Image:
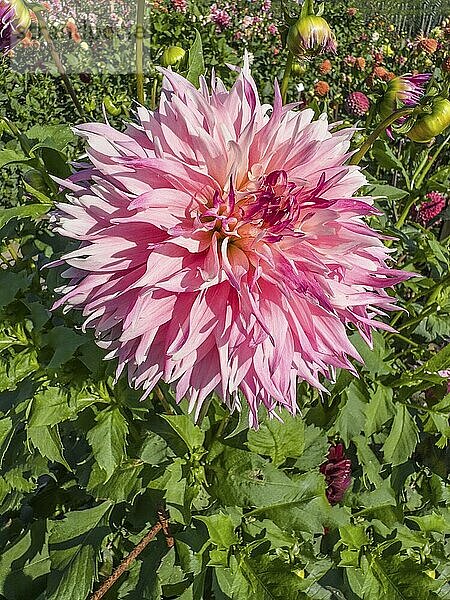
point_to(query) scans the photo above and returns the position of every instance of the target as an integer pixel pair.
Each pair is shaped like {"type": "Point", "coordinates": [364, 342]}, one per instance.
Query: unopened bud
{"type": "Point", "coordinates": [429, 125]}
{"type": "Point", "coordinates": [172, 56]}
{"type": "Point", "coordinates": [309, 36]}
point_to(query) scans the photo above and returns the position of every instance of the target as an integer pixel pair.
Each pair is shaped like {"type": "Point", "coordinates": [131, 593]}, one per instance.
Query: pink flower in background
{"type": "Point", "coordinates": [221, 248]}
{"type": "Point", "coordinates": [180, 5]}
{"type": "Point", "coordinates": [219, 16]}
{"type": "Point", "coordinates": [337, 470]}
{"type": "Point", "coordinates": [272, 29]}
{"type": "Point", "coordinates": [431, 208]}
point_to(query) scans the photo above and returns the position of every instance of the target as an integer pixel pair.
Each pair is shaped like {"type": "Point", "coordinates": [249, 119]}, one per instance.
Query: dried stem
{"type": "Point", "coordinates": [163, 524]}
{"type": "Point", "coordinates": [58, 63]}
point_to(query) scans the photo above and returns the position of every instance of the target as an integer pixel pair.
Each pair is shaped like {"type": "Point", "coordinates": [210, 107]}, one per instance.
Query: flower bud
{"type": "Point", "coordinates": [172, 56]}
{"type": "Point", "coordinates": [404, 91]}
{"type": "Point", "coordinates": [429, 125]}
{"type": "Point", "coordinates": [309, 36]}
{"type": "Point", "coordinates": [14, 18]}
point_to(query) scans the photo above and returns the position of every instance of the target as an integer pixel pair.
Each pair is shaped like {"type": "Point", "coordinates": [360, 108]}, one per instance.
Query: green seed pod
{"type": "Point", "coordinates": [309, 36]}
{"type": "Point", "coordinates": [298, 69]}
{"type": "Point", "coordinates": [429, 125]}
{"type": "Point", "coordinates": [111, 107]}
{"type": "Point", "coordinates": [172, 56]}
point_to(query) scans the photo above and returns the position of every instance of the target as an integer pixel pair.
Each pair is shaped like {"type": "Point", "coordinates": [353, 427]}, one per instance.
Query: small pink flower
{"type": "Point", "coordinates": [179, 5]}
{"type": "Point", "coordinates": [222, 248]}
{"type": "Point", "coordinates": [220, 17]}
{"type": "Point", "coordinates": [272, 29]}
{"type": "Point", "coordinates": [431, 208]}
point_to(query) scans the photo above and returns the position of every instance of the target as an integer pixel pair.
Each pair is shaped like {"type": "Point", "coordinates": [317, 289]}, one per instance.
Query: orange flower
{"type": "Point", "coordinates": [380, 72]}
{"type": "Point", "coordinates": [321, 88]}
{"type": "Point", "coordinates": [325, 67]}
{"type": "Point", "coordinates": [360, 63]}
{"type": "Point", "coordinates": [428, 45]}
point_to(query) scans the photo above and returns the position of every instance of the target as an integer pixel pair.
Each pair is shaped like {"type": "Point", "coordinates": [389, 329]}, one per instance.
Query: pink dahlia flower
{"type": "Point", "coordinates": [221, 248]}
{"type": "Point", "coordinates": [14, 19]}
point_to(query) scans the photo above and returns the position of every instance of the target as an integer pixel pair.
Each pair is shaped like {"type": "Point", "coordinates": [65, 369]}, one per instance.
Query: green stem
{"type": "Point", "coordinates": [286, 76]}
{"type": "Point", "coordinates": [431, 162]}
{"type": "Point", "coordinates": [140, 51]}
{"type": "Point", "coordinates": [405, 212]}
{"type": "Point", "coordinates": [381, 128]}
{"type": "Point", "coordinates": [58, 63]}
{"type": "Point", "coordinates": [154, 90]}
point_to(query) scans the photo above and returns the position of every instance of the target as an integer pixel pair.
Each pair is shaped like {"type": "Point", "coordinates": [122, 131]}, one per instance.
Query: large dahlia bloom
{"type": "Point", "coordinates": [221, 248]}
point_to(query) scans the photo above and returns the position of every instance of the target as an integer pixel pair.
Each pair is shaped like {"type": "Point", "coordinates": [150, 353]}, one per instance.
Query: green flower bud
{"type": "Point", "coordinates": [111, 107]}
{"type": "Point", "coordinates": [309, 36]}
{"type": "Point", "coordinates": [298, 69]}
{"type": "Point", "coordinates": [172, 56]}
{"type": "Point", "coordinates": [429, 125]}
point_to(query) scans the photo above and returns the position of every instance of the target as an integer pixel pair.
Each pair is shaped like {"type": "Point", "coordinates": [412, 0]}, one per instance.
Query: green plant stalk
{"type": "Point", "coordinates": [58, 63]}
{"type": "Point", "coordinates": [379, 130]}
{"type": "Point", "coordinates": [430, 163]}
{"type": "Point", "coordinates": [140, 51]}
{"type": "Point", "coordinates": [286, 76]}
{"type": "Point", "coordinates": [405, 211]}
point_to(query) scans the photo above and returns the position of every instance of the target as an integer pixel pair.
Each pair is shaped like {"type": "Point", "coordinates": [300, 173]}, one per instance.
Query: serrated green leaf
{"type": "Point", "coordinates": [73, 545]}
{"type": "Point", "coordinates": [27, 211]}
{"type": "Point", "coordinates": [48, 442]}
{"type": "Point", "coordinates": [396, 579]}
{"type": "Point", "coordinates": [379, 410]}
{"type": "Point", "coordinates": [107, 439]}
{"type": "Point", "coordinates": [49, 407]}
{"type": "Point", "coordinates": [221, 529]}
{"type": "Point", "coordinates": [183, 425]}
{"type": "Point", "coordinates": [402, 438]}
{"type": "Point", "coordinates": [64, 342]}
{"type": "Point", "coordinates": [279, 440]}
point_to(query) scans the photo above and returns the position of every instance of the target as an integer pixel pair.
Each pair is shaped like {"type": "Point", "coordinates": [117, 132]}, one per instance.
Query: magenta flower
{"type": "Point", "coordinates": [405, 91]}
{"type": "Point", "coordinates": [431, 208]}
{"type": "Point", "coordinates": [337, 470]}
{"type": "Point", "coordinates": [14, 18]}
{"type": "Point", "coordinates": [222, 249]}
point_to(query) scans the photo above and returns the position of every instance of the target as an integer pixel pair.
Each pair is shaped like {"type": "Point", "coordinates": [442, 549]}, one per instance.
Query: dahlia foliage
{"type": "Point", "coordinates": [222, 249]}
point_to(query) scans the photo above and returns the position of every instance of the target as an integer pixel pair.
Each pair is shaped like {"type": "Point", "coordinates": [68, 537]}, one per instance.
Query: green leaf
{"type": "Point", "coordinates": [196, 61]}
{"type": "Point", "coordinates": [379, 410]}
{"type": "Point", "coordinates": [10, 284]}
{"type": "Point", "coordinates": [351, 418]}
{"type": "Point", "coordinates": [387, 191]}
{"type": "Point", "coordinates": [183, 425]}
{"type": "Point", "coordinates": [9, 156]}
{"type": "Point", "coordinates": [403, 437]}
{"type": "Point", "coordinates": [27, 211]}
{"type": "Point", "coordinates": [438, 362]}
{"type": "Point", "coordinates": [73, 546]}
{"type": "Point", "coordinates": [244, 479]}
{"type": "Point", "coordinates": [266, 577]}
{"type": "Point", "coordinates": [315, 449]}
{"type": "Point", "coordinates": [48, 442]}
{"type": "Point", "coordinates": [49, 407]}
{"type": "Point", "coordinates": [64, 341]}
{"type": "Point", "coordinates": [221, 529]}
{"type": "Point", "coordinates": [432, 522]}
{"type": "Point", "coordinates": [51, 136]}
{"type": "Point", "coordinates": [279, 440]}
{"type": "Point", "coordinates": [107, 439]}
{"type": "Point", "coordinates": [396, 579]}
{"type": "Point", "coordinates": [24, 564]}
{"type": "Point", "coordinates": [354, 536]}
